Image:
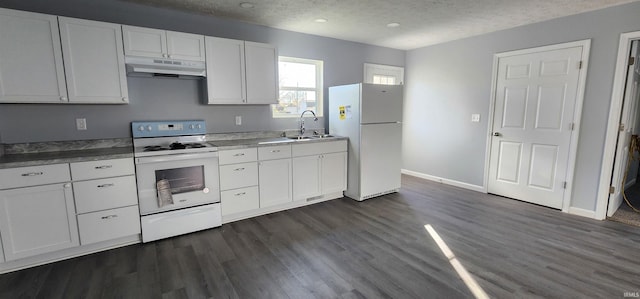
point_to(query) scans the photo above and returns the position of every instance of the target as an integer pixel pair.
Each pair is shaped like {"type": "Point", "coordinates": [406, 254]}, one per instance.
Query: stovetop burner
{"type": "Point", "coordinates": [173, 146]}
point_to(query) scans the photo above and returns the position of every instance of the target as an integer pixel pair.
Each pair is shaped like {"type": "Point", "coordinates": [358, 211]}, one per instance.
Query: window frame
{"type": "Point", "coordinates": [319, 103]}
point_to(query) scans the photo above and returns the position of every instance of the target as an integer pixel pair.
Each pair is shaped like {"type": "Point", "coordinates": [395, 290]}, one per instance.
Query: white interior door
{"type": "Point", "coordinates": [627, 123]}
{"type": "Point", "coordinates": [534, 106]}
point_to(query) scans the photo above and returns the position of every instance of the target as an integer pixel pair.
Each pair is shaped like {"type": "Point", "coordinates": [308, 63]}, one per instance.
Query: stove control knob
{"type": "Point", "coordinates": [141, 128]}
{"type": "Point", "coordinates": [149, 128]}
{"type": "Point", "coordinates": [192, 127]}
{"type": "Point", "coordinates": [199, 126]}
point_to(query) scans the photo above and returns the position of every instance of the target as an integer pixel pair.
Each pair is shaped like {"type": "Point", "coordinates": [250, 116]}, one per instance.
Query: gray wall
{"type": "Point", "coordinates": [447, 83]}
{"type": "Point", "coordinates": [159, 99]}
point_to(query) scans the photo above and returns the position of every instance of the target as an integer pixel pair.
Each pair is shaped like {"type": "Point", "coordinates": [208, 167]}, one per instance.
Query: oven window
{"type": "Point", "coordinates": [181, 180]}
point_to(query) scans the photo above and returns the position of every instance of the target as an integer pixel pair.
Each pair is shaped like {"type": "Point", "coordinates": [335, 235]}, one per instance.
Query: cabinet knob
{"type": "Point", "coordinates": [64, 99]}
{"type": "Point", "coordinates": [169, 55]}
{"type": "Point", "coordinates": [67, 185]}
{"type": "Point", "coordinates": [124, 99]}
{"type": "Point", "coordinates": [164, 55]}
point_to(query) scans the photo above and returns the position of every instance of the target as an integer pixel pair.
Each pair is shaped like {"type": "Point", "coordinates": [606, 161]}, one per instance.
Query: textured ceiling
{"type": "Point", "coordinates": [422, 22]}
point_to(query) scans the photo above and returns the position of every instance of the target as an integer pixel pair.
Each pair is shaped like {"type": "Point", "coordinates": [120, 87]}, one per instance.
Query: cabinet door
{"type": "Point", "coordinates": [93, 61]}
{"type": "Point", "coordinates": [334, 172]}
{"type": "Point", "coordinates": [31, 69]}
{"type": "Point", "coordinates": [225, 71]}
{"type": "Point", "coordinates": [306, 177]}
{"type": "Point", "coordinates": [262, 73]}
{"type": "Point", "coordinates": [275, 182]}
{"type": "Point", "coordinates": [187, 46]}
{"type": "Point", "coordinates": [37, 220]}
{"type": "Point", "coordinates": [145, 42]}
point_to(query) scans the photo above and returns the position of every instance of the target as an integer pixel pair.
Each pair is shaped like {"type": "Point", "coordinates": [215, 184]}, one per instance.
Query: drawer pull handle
{"type": "Point", "coordinates": [105, 185]}
{"type": "Point", "coordinates": [109, 216]}
{"type": "Point", "coordinates": [275, 151]}
{"type": "Point", "coordinates": [32, 173]}
{"type": "Point", "coordinates": [182, 200]}
{"type": "Point", "coordinates": [240, 194]}
{"type": "Point", "coordinates": [239, 155]}
{"type": "Point", "coordinates": [239, 169]}
{"type": "Point", "coordinates": [103, 167]}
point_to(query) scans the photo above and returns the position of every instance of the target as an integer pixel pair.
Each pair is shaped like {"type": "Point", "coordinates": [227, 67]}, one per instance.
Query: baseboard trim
{"type": "Point", "coordinates": [444, 181]}
{"type": "Point", "coordinates": [582, 212]}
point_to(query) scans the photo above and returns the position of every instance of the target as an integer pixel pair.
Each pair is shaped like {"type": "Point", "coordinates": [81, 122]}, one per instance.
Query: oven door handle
{"type": "Point", "coordinates": [170, 158]}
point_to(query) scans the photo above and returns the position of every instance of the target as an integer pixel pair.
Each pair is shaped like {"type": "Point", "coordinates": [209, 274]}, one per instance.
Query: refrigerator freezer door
{"type": "Point", "coordinates": [380, 159]}
{"type": "Point", "coordinates": [381, 104]}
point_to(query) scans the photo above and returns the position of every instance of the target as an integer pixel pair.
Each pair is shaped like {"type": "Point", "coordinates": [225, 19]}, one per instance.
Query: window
{"type": "Point", "coordinates": [300, 87]}
{"type": "Point", "coordinates": [383, 74]}
{"type": "Point", "coordinates": [382, 79]}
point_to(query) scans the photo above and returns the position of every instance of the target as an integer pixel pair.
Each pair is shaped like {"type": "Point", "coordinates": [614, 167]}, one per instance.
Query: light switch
{"type": "Point", "coordinates": [81, 124]}
{"type": "Point", "coordinates": [475, 118]}
{"type": "Point", "coordinates": [238, 120]}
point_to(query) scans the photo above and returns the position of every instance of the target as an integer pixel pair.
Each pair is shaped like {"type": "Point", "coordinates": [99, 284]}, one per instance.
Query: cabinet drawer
{"type": "Point", "coordinates": [103, 194]}
{"type": "Point", "coordinates": [238, 175]}
{"type": "Point", "coordinates": [274, 152]}
{"type": "Point", "coordinates": [239, 200]}
{"type": "Point", "coordinates": [110, 224]}
{"type": "Point", "coordinates": [101, 169]}
{"type": "Point", "coordinates": [238, 156]}
{"type": "Point", "coordinates": [34, 175]}
{"type": "Point", "coordinates": [316, 148]}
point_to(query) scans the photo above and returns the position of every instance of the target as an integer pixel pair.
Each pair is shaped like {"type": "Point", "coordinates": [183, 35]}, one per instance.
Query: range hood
{"type": "Point", "coordinates": [165, 66]}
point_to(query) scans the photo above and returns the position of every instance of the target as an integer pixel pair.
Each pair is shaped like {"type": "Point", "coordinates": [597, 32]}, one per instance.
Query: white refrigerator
{"type": "Point", "coordinates": [371, 116]}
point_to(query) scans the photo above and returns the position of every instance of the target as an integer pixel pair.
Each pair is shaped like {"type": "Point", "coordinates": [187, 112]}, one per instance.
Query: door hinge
{"type": "Point", "coordinates": [632, 60]}
{"type": "Point", "coordinates": [621, 127]}
{"type": "Point", "coordinates": [564, 185]}
{"type": "Point", "coordinates": [612, 189]}
{"type": "Point", "coordinates": [572, 127]}
{"type": "Point", "coordinates": [580, 64]}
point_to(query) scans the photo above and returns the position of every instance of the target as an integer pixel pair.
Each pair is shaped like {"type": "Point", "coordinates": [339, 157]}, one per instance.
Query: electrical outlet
{"type": "Point", "coordinates": [475, 118]}
{"type": "Point", "coordinates": [81, 124]}
{"type": "Point", "coordinates": [238, 120]}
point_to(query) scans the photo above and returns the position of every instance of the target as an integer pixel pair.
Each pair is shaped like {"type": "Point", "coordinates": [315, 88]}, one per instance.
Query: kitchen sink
{"type": "Point", "coordinates": [299, 137]}
{"type": "Point", "coordinates": [323, 136]}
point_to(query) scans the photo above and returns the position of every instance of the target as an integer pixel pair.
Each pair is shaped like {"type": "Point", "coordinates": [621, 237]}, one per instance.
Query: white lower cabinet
{"type": "Point", "coordinates": [106, 199]}
{"type": "Point", "coordinates": [334, 172]}
{"type": "Point", "coordinates": [238, 181]}
{"type": "Point", "coordinates": [319, 169]}
{"type": "Point", "coordinates": [306, 177]}
{"type": "Point", "coordinates": [275, 182]}
{"type": "Point", "coordinates": [239, 200]}
{"type": "Point", "coordinates": [110, 224]}
{"type": "Point", "coordinates": [37, 220]}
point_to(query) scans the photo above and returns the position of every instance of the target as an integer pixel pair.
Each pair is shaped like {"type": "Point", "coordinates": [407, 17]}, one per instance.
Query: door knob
{"type": "Point", "coordinates": [497, 134]}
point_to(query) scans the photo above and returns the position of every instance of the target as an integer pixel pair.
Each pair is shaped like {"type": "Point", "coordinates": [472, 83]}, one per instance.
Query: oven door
{"type": "Point", "coordinates": [171, 182]}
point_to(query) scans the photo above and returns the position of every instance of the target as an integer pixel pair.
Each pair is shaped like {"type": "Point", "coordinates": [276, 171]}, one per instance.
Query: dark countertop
{"type": "Point", "coordinates": [44, 158]}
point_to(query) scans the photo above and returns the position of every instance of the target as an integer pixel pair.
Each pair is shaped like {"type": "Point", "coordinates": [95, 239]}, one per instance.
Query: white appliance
{"type": "Point", "coordinates": [371, 116]}
{"type": "Point", "coordinates": [177, 178]}
{"type": "Point", "coordinates": [165, 66]}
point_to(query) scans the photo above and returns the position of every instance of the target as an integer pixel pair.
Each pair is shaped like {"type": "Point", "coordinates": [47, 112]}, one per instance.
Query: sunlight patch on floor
{"type": "Point", "coordinates": [471, 283]}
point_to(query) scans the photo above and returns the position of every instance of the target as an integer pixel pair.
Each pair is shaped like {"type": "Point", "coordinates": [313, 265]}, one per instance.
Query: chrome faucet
{"type": "Point", "coordinates": [302, 129]}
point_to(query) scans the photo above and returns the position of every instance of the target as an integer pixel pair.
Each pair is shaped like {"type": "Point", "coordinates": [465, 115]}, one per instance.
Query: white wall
{"type": "Point", "coordinates": [447, 83]}
{"type": "Point", "coordinates": [163, 99]}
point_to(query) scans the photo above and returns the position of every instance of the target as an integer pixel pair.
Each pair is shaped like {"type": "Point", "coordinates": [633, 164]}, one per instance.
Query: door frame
{"type": "Point", "coordinates": [577, 113]}
{"type": "Point", "coordinates": [615, 109]}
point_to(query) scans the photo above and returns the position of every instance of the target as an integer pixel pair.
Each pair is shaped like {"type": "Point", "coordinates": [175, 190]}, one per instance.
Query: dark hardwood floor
{"type": "Point", "coordinates": [378, 248]}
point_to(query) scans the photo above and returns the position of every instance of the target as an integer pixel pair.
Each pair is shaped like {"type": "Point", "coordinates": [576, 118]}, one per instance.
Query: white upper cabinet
{"type": "Point", "coordinates": [31, 69]}
{"type": "Point", "coordinates": [262, 73]}
{"type": "Point", "coordinates": [225, 71]}
{"type": "Point", "coordinates": [156, 43]}
{"type": "Point", "coordinates": [186, 46]}
{"type": "Point", "coordinates": [93, 61]}
{"type": "Point", "coordinates": [240, 72]}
